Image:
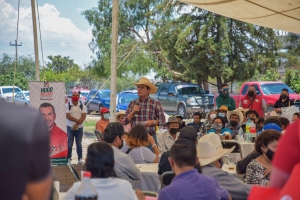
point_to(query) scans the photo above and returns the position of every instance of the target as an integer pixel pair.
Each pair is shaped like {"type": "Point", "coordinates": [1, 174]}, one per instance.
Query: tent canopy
{"type": "Point", "coordinates": [276, 14]}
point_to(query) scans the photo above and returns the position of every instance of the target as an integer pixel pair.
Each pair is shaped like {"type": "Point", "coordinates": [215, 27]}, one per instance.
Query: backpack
{"type": "Point", "coordinates": [70, 106]}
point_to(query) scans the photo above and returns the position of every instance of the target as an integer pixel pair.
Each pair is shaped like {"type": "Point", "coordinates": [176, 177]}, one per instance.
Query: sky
{"type": "Point", "coordinates": [64, 30]}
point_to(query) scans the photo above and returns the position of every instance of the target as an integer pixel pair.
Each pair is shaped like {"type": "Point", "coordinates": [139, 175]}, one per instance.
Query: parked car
{"type": "Point", "coordinates": [6, 92]}
{"type": "Point", "coordinates": [97, 99]}
{"type": "Point", "coordinates": [22, 98]}
{"type": "Point", "coordinates": [83, 95]}
{"type": "Point", "coordinates": [268, 90]}
{"type": "Point", "coordinates": [124, 98]}
{"type": "Point", "coordinates": [183, 98]}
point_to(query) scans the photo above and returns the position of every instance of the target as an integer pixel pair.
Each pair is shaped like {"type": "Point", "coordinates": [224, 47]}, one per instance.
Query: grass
{"type": "Point", "coordinates": [89, 125]}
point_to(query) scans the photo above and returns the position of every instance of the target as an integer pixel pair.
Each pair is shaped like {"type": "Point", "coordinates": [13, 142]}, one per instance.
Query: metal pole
{"type": "Point", "coordinates": [15, 68]}
{"type": "Point", "coordinates": [35, 38]}
{"type": "Point", "coordinates": [114, 61]}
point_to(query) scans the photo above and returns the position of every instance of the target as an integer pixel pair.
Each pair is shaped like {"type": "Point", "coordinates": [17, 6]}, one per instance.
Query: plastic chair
{"type": "Point", "coordinates": [166, 178]}
{"type": "Point", "coordinates": [150, 193]}
{"type": "Point", "coordinates": [99, 135]}
{"type": "Point", "coordinates": [229, 144]}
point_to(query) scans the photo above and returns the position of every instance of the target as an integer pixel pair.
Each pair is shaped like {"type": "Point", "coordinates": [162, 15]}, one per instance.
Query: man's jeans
{"type": "Point", "coordinates": [78, 138]}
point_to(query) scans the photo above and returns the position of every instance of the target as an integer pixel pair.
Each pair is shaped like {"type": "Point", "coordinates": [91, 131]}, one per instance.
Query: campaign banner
{"type": "Point", "coordinates": [49, 99]}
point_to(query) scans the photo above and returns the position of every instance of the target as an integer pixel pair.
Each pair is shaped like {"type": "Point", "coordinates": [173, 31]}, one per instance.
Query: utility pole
{"type": "Point", "coordinates": [114, 60]}
{"type": "Point", "coordinates": [15, 68]}
{"type": "Point", "coordinates": [35, 38]}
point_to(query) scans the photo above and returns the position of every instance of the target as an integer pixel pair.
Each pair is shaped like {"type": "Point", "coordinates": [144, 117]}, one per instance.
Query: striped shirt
{"type": "Point", "coordinates": [150, 109]}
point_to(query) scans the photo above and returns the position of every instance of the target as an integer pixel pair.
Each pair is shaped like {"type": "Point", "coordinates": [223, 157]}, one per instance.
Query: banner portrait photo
{"type": "Point", "coordinates": [49, 99]}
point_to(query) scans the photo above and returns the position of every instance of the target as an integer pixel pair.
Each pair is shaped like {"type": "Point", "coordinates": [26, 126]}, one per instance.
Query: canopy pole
{"type": "Point", "coordinates": [36, 50]}
{"type": "Point", "coordinates": [114, 60]}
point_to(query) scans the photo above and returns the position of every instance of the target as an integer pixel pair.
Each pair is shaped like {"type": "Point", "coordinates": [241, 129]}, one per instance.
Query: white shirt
{"type": "Point", "coordinates": [75, 111]}
{"type": "Point", "coordinates": [107, 188]}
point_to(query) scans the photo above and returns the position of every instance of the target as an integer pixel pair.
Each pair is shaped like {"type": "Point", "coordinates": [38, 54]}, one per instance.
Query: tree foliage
{"type": "Point", "coordinates": [292, 79]}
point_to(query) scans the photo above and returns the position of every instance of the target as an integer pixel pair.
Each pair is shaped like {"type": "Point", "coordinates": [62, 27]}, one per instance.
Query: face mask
{"type": "Point", "coordinates": [75, 98]}
{"type": "Point", "coordinates": [106, 116]}
{"type": "Point", "coordinates": [233, 123]}
{"type": "Point", "coordinates": [283, 96]}
{"type": "Point", "coordinates": [222, 114]}
{"type": "Point", "coordinates": [173, 130]}
{"type": "Point", "coordinates": [269, 154]}
{"type": "Point", "coordinates": [217, 126]}
{"type": "Point", "coordinates": [250, 93]}
{"type": "Point", "coordinates": [225, 92]}
{"type": "Point", "coordinates": [212, 116]}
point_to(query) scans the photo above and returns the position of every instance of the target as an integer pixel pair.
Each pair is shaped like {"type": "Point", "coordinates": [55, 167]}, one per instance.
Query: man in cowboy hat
{"type": "Point", "coordinates": [166, 140]}
{"type": "Point", "coordinates": [145, 110]}
{"type": "Point", "coordinates": [235, 119]}
{"type": "Point", "coordinates": [224, 98]}
{"type": "Point", "coordinates": [210, 153]}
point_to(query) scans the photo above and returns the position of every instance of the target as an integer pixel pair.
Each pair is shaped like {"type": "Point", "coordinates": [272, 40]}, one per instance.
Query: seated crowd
{"type": "Point", "coordinates": [193, 152]}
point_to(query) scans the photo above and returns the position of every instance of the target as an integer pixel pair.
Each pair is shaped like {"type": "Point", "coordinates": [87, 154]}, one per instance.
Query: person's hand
{"type": "Point", "coordinates": [140, 195]}
{"type": "Point", "coordinates": [75, 127]}
{"type": "Point", "coordinates": [136, 108]}
{"type": "Point", "coordinates": [151, 140]}
{"type": "Point", "coordinates": [80, 121]}
{"type": "Point", "coordinates": [149, 123]}
{"type": "Point", "coordinates": [267, 171]}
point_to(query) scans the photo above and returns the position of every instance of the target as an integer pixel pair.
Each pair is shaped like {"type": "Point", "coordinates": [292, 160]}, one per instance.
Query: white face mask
{"type": "Point", "coordinates": [106, 116]}
{"type": "Point", "coordinates": [212, 116]}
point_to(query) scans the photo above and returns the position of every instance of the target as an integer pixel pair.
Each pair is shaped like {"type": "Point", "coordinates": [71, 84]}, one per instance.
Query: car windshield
{"type": "Point", "coordinates": [26, 94]}
{"type": "Point", "coordinates": [189, 89]}
{"type": "Point", "coordinates": [104, 94]}
{"type": "Point", "coordinates": [275, 88]}
{"type": "Point", "coordinates": [84, 94]}
{"type": "Point", "coordinates": [9, 90]}
{"type": "Point", "coordinates": [125, 99]}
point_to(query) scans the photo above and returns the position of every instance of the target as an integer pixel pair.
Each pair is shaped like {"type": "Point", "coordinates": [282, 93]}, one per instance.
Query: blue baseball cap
{"type": "Point", "coordinates": [272, 126]}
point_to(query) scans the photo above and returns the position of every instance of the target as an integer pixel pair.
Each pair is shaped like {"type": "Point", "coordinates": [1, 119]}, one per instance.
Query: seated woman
{"type": "Point", "coordinates": [100, 162]}
{"type": "Point", "coordinates": [136, 146]}
{"type": "Point", "coordinates": [210, 117]}
{"type": "Point", "coordinates": [218, 127]}
{"type": "Point", "coordinates": [265, 144]}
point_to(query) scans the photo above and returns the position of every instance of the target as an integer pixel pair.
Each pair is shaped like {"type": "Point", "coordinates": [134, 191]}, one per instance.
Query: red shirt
{"type": "Point", "coordinates": [254, 104]}
{"type": "Point", "coordinates": [288, 151]}
{"type": "Point", "coordinates": [58, 143]}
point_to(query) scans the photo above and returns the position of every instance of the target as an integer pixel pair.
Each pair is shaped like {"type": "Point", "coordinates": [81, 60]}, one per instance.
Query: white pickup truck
{"type": "Point", "coordinates": [6, 92]}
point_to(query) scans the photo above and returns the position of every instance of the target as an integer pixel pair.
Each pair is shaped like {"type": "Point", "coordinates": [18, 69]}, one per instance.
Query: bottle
{"type": "Point", "coordinates": [248, 130]}
{"type": "Point", "coordinates": [86, 191]}
{"type": "Point", "coordinates": [252, 131]}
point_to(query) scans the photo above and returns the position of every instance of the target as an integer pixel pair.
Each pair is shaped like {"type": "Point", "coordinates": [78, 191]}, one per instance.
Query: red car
{"type": "Point", "coordinates": [268, 90]}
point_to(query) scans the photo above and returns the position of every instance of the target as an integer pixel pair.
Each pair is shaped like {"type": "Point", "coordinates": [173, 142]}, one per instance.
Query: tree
{"type": "Point", "coordinates": [61, 64]}
{"type": "Point", "coordinates": [292, 79]}
{"type": "Point", "coordinates": [20, 80]}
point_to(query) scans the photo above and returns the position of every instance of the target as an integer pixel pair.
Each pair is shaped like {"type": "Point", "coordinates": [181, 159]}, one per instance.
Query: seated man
{"type": "Point", "coordinates": [197, 124]}
{"type": "Point", "coordinates": [102, 123]}
{"type": "Point", "coordinates": [167, 139]}
{"type": "Point", "coordinates": [210, 156]}
{"type": "Point", "coordinates": [188, 183]}
{"type": "Point", "coordinates": [235, 119]}
{"type": "Point", "coordinates": [187, 132]}
{"type": "Point", "coordinates": [124, 166]}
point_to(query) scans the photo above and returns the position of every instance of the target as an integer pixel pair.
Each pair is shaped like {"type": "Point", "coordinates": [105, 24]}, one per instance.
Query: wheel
{"type": "Point", "coordinates": [181, 110]}
{"type": "Point", "coordinates": [270, 108]}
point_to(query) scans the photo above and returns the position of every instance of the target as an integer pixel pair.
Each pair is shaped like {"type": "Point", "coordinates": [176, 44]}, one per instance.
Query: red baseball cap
{"type": "Point", "coordinates": [104, 110]}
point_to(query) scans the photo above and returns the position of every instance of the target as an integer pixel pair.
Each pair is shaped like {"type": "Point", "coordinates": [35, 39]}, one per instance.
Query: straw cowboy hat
{"type": "Point", "coordinates": [147, 82]}
{"type": "Point", "coordinates": [223, 108]}
{"type": "Point", "coordinates": [121, 112]}
{"type": "Point", "coordinates": [241, 109]}
{"type": "Point", "coordinates": [238, 113]}
{"type": "Point", "coordinates": [210, 149]}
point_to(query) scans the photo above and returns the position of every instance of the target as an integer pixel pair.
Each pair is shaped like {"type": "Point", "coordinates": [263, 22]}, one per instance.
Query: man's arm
{"type": "Point", "coordinates": [219, 101]}
{"type": "Point", "coordinates": [129, 113]}
{"type": "Point", "coordinates": [83, 115]}
{"type": "Point", "coordinates": [131, 169]}
{"type": "Point", "coordinates": [160, 114]}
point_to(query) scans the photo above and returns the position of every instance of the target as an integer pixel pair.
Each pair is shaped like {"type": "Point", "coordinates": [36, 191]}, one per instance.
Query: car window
{"type": "Point", "coordinates": [91, 94]}
{"type": "Point", "coordinates": [164, 90]}
{"type": "Point", "coordinates": [275, 88]}
{"type": "Point", "coordinates": [70, 93]}
{"type": "Point", "coordinates": [126, 99]}
{"type": "Point", "coordinates": [9, 90]}
{"type": "Point", "coordinates": [18, 95]}
{"type": "Point", "coordinates": [189, 89]}
{"type": "Point", "coordinates": [257, 89]}
{"type": "Point", "coordinates": [245, 89]}
{"type": "Point", "coordinates": [104, 94]}
{"type": "Point", "coordinates": [84, 94]}
{"type": "Point", "coordinates": [26, 94]}
{"type": "Point", "coordinates": [172, 88]}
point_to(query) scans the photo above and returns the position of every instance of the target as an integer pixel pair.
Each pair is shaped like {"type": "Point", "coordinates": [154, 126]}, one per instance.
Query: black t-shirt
{"type": "Point", "coordinates": [164, 165]}
{"type": "Point", "coordinates": [24, 147]}
{"type": "Point", "coordinates": [286, 103]}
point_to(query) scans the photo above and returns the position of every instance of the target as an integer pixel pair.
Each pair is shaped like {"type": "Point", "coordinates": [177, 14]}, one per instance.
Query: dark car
{"type": "Point", "coordinates": [124, 99]}
{"type": "Point", "coordinates": [97, 99]}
